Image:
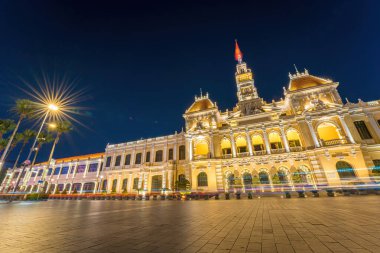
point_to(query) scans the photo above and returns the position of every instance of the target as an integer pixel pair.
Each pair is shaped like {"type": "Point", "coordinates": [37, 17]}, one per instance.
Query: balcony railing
{"type": "Point", "coordinates": [227, 156]}
{"type": "Point", "coordinates": [334, 142]}
{"type": "Point", "coordinates": [201, 157]}
{"type": "Point", "coordinates": [296, 149]}
{"type": "Point", "coordinates": [277, 150]}
{"type": "Point", "coordinates": [243, 154]}
{"type": "Point", "coordinates": [260, 152]}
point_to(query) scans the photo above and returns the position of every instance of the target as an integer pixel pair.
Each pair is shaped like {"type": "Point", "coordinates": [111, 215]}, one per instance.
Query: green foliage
{"type": "Point", "coordinates": [255, 180]}
{"type": "Point", "coordinates": [182, 185]}
{"type": "Point", "coordinates": [27, 135]}
{"type": "Point", "coordinates": [37, 196]}
{"type": "Point", "coordinates": [275, 179]}
{"type": "Point", "coordinates": [44, 138]}
{"type": "Point", "coordinates": [6, 125]}
{"type": "Point", "coordinates": [297, 179]}
{"type": "Point", "coordinates": [64, 191]}
{"type": "Point", "coordinates": [75, 191]}
{"type": "Point", "coordinates": [3, 144]}
{"type": "Point", "coordinates": [376, 171]}
{"type": "Point", "coordinates": [24, 107]}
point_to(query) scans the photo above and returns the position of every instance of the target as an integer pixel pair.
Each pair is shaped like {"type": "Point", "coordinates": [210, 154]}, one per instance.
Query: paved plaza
{"type": "Point", "coordinates": [341, 224]}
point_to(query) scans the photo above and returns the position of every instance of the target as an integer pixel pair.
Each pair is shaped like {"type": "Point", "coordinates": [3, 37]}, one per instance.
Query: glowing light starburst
{"type": "Point", "coordinates": [57, 97]}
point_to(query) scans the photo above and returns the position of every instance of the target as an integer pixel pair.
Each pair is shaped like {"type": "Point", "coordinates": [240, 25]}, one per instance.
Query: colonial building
{"type": "Point", "coordinates": [309, 138]}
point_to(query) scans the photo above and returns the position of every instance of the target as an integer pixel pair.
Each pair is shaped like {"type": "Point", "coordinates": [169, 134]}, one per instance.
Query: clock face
{"type": "Point", "coordinates": [246, 90]}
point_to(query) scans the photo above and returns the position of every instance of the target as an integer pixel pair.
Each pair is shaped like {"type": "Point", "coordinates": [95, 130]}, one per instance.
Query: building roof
{"type": "Point", "coordinates": [200, 104]}
{"type": "Point", "coordinates": [305, 80]}
{"type": "Point", "coordinates": [75, 158]}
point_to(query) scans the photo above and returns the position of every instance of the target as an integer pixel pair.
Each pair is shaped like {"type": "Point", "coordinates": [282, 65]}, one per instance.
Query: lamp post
{"type": "Point", "coordinates": [50, 108]}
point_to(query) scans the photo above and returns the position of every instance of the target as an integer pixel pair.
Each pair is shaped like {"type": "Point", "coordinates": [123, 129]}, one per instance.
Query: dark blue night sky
{"type": "Point", "coordinates": [142, 63]}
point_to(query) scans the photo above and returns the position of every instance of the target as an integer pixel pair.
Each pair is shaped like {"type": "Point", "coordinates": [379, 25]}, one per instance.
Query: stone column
{"type": "Point", "coordinates": [86, 169]}
{"type": "Point", "coordinates": [190, 145]}
{"type": "Point", "coordinates": [81, 188]}
{"type": "Point", "coordinates": [170, 180]}
{"type": "Point", "coordinates": [175, 152]}
{"type": "Point", "coordinates": [284, 139]}
{"type": "Point", "coordinates": [211, 145]}
{"type": "Point", "coordinates": [130, 183]}
{"type": "Point", "coordinates": [164, 155]}
{"type": "Point", "coordinates": [346, 129]}
{"type": "Point", "coordinates": [233, 144]}
{"type": "Point", "coordinates": [266, 141]}
{"type": "Point", "coordinates": [152, 154]}
{"type": "Point", "coordinates": [163, 179]}
{"type": "Point", "coordinates": [96, 187]}
{"type": "Point", "coordinates": [312, 132]}
{"type": "Point", "coordinates": [249, 142]}
{"type": "Point", "coordinates": [145, 182]}
{"type": "Point", "coordinates": [140, 180]}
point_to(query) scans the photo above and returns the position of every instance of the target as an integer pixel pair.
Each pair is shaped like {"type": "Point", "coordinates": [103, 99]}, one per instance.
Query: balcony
{"type": "Point", "coordinates": [243, 154]}
{"type": "Point", "coordinates": [296, 149]}
{"type": "Point", "coordinates": [333, 142]}
{"type": "Point", "coordinates": [227, 156]}
{"type": "Point", "coordinates": [277, 150]}
{"type": "Point", "coordinates": [200, 157]}
{"type": "Point", "coordinates": [260, 152]}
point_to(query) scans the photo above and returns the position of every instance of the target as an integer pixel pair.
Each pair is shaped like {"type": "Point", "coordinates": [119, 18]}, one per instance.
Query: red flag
{"type": "Point", "coordinates": [238, 53]}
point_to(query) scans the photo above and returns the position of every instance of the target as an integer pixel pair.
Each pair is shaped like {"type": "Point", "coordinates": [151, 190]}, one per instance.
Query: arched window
{"type": "Point", "coordinates": [282, 177]}
{"type": "Point", "coordinates": [275, 140]}
{"type": "Point", "coordinates": [241, 144]}
{"type": "Point", "coordinates": [293, 138]}
{"type": "Point", "coordinates": [76, 187]}
{"type": "Point", "coordinates": [181, 178]}
{"type": "Point", "coordinates": [67, 187]}
{"type": "Point", "coordinates": [202, 179]}
{"type": "Point", "coordinates": [114, 185]}
{"type": "Point", "coordinates": [231, 181]}
{"type": "Point", "coordinates": [257, 142]}
{"type": "Point", "coordinates": [247, 180]}
{"type": "Point", "coordinates": [264, 177]}
{"type": "Point", "coordinates": [201, 148]}
{"type": "Point", "coordinates": [345, 170]}
{"type": "Point", "coordinates": [159, 155]}
{"type": "Point", "coordinates": [328, 131]}
{"type": "Point", "coordinates": [182, 152]}
{"type": "Point", "coordinates": [226, 146]}
{"type": "Point", "coordinates": [156, 183]}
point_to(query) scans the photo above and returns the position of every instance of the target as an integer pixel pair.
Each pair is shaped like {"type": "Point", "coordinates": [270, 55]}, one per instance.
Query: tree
{"type": "Point", "coordinates": [26, 136]}
{"type": "Point", "coordinates": [3, 144]}
{"type": "Point", "coordinates": [6, 125]}
{"type": "Point", "coordinates": [60, 128]}
{"type": "Point", "coordinates": [42, 139]}
{"type": "Point", "coordinates": [275, 179]}
{"type": "Point", "coordinates": [24, 108]}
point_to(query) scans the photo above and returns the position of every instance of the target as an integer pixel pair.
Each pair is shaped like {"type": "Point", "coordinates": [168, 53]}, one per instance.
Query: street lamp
{"type": "Point", "coordinates": [49, 109]}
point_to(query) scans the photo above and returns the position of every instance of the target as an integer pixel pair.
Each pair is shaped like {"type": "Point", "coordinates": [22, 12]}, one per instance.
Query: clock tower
{"type": "Point", "coordinates": [249, 101]}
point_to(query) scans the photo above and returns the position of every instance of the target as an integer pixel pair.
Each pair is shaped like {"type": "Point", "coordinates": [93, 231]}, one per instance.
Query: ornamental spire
{"type": "Point", "coordinates": [238, 53]}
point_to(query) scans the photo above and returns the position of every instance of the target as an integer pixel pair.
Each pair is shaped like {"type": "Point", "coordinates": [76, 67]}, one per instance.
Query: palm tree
{"type": "Point", "coordinates": [42, 139]}
{"type": "Point", "coordinates": [24, 108]}
{"type": "Point", "coordinates": [6, 125]}
{"type": "Point", "coordinates": [26, 136]}
{"type": "Point", "coordinates": [60, 128]}
{"type": "Point", "coordinates": [3, 144]}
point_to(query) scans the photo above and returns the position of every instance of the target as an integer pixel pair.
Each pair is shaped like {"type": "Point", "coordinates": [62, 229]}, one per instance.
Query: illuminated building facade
{"type": "Point", "coordinates": [310, 137]}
